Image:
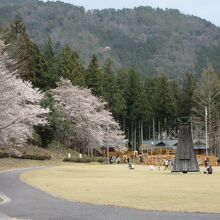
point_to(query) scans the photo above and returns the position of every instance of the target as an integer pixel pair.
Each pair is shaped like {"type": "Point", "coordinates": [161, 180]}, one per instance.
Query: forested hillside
{"type": "Point", "coordinates": [144, 107]}
{"type": "Point", "coordinates": [151, 41]}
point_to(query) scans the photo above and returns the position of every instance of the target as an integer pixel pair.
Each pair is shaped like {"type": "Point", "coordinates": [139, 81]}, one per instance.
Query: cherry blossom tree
{"type": "Point", "coordinates": [19, 105]}
{"type": "Point", "coordinates": [87, 115]}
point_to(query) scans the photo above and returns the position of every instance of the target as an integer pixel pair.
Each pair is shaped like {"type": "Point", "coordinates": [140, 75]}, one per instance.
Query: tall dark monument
{"type": "Point", "coordinates": [185, 160]}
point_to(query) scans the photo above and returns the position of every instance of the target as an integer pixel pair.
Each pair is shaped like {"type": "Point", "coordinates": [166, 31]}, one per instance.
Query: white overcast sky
{"type": "Point", "coordinates": [208, 9]}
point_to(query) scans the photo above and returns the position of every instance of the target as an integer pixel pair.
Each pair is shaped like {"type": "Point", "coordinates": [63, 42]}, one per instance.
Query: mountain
{"type": "Point", "coordinates": [152, 41]}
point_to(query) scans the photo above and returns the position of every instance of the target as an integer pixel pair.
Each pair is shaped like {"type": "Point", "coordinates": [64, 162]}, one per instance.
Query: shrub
{"type": "Point", "coordinates": [4, 155]}
{"type": "Point", "coordinates": [84, 160]}
{"type": "Point", "coordinates": [101, 160]}
{"type": "Point", "coordinates": [27, 152]}
{"type": "Point", "coordinates": [32, 157]}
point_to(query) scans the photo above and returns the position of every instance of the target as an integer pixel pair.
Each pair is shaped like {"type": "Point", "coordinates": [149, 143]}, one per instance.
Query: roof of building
{"type": "Point", "coordinates": [171, 144]}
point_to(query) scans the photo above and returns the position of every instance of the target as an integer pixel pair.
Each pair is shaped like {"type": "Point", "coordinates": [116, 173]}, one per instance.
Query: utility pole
{"type": "Point", "coordinates": [206, 131]}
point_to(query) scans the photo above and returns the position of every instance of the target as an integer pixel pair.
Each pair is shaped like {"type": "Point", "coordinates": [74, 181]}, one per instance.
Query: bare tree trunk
{"type": "Point", "coordinates": [132, 135]}
{"type": "Point", "coordinates": [135, 135]}
{"type": "Point", "coordinates": [192, 129]}
{"type": "Point", "coordinates": [142, 132]}
{"type": "Point", "coordinates": [142, 137]}
{"type": "Point", "coordinates": [124, 123]}
{"type": "Point", "coordinates": [153, 130]}
{"type": "Point", "coordinates": [139, 132]}
{"type": "Point", "coordinates": [107, 154]}
{"type": "Point", "coordinates": [159, 134]}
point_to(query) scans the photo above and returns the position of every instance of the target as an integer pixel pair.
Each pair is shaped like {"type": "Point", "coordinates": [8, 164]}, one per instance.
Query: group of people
{"type": "Point", "coordinates": [117, 160]}
{"type": "Point", "coordinates": [168, 164]}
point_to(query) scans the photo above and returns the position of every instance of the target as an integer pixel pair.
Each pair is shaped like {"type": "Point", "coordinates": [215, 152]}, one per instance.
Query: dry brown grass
{"type": "Point", "coordinates": [57, 153]}
{"type": "Point", "coordinates": [139, 188]}
{"type": "Point", "coordinates": [10, 163]}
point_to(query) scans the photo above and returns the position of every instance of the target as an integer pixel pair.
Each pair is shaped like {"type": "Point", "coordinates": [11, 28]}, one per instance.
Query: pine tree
{"type": "Point", "coordinates": [58, 127]}
{"type": "Point", "coordinates": [164, 101]}
{"type": "Point", "coordinates": [51, 62]}
{"type": "Point", "coordinates": [17, 29]}
{"type": "Point", "coordinates": [49, 51]}
{"type": "Point", "coordinates": [31, 64]}
{"type": "Point", "coordinates": [112, 93]}
{"type": "Point", "coordinates": [122, 79]}
{"type": "Point", "coordinates": [133, 91]}
{"type": "Point", "coordinates": [94, 77]}
{"type": "Point", "coordinates": [69, 66]}
{"type": "Point", "coordinates": [185, 98]}
{"type": "Point", "coordinates": [141, 110]}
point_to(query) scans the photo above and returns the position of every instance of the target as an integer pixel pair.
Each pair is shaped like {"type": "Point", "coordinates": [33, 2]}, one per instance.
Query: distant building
{"type": "Point", "coordinates": [199, 145]}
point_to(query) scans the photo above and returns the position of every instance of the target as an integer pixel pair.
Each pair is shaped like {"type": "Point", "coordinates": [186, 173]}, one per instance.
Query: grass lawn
{"type": "Point", "coordinates": [139, 188]}
{"type": "Point", "coordinates": [10, 163]}
{"type": "Point", "coordinates": [57, 154]}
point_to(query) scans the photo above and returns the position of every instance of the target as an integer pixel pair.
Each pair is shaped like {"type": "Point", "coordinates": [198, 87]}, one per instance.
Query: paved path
{"type": "Point", "coordinates": [29, 203]}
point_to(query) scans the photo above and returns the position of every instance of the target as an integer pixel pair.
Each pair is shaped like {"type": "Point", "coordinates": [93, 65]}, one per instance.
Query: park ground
{"type": "Point", "coordinates": [140, 188]}
{"type": "Point", "coordinates": [10, 163]}
{"type": "Point", "coordinates": [57, 154]}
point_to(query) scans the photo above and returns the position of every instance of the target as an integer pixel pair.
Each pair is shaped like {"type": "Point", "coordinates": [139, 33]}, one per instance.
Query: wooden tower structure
{"type": "Point", "coordinates": [185, 160]}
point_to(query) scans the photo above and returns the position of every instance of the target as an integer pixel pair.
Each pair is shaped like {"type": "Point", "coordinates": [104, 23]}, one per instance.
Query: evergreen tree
{"type": "Point", "coordinates": [123, 82]}
{"type": "Point", "coordinates": [164, 106]}
{"type": "Point", "coordinates": [49, 51]}
{"type": "Point", "coordinates": [112, 94]}
{"type": "Point", "coordinates": [133, 92]}
{"type": "Point", "coordinates": [134, 89]}
{"type": "Point", "coordinates": [185, 98]}
{"type": "Point", "coordinates": [122, 79]}
{"type": "Point", "coordinates": [69, 67]}
{"type": "Point", "coordinates": [57, 128]}
{"type": "Point", "coordinates": [17, 29]}
{"type": "Point", "coordinates": [94, 77]}
{"type": "Point", "coordinates": [31, 64]}
{"type": "Point", "coordinates": [141, 106]}
{"type": "Point", "coordinates": [51, 62]}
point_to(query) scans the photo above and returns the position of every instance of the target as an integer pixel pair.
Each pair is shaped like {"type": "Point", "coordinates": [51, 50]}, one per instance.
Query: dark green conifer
{"type": "Point", "coordinates": [69, 67]}
{"type": "Point", "coordinates": [94, 77]}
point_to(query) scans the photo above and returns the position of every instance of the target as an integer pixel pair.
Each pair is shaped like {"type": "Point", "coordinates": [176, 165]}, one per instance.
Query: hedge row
{"type": "Point", "coordinates": [32, 157]}
{"type": "Point", "coordinates": [4, 155]}
{"type": "Point", "coordinates": [84, 160]}
{"type": "Point", "coordinates": [25, 156]}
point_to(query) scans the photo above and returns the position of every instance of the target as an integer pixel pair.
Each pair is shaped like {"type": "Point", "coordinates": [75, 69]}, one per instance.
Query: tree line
{"type": "Point", "coordinates": [145, 107]}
